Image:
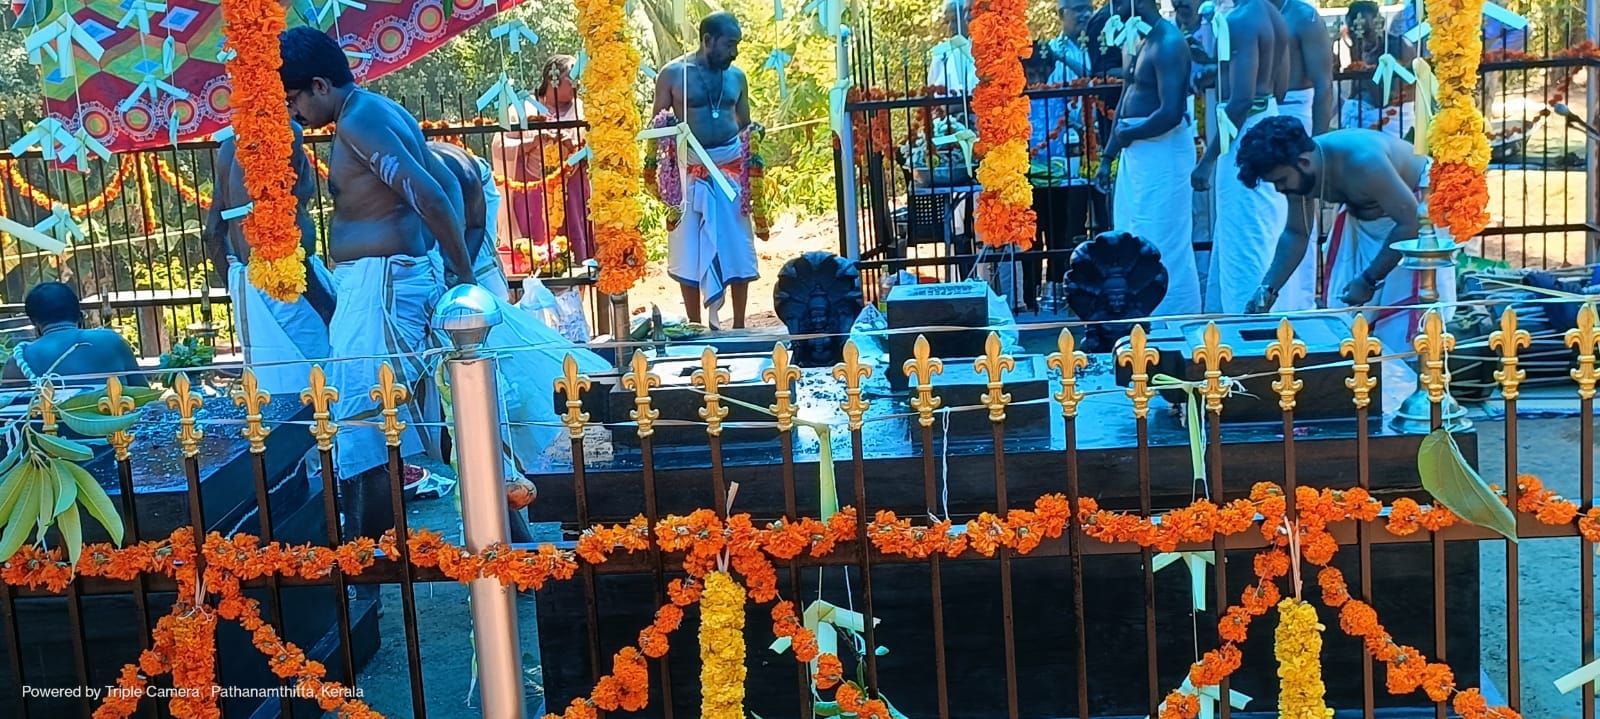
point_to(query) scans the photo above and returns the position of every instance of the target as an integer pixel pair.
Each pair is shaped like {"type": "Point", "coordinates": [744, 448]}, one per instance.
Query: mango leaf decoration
{"type": "Point", "coordinates": [1456, 485]}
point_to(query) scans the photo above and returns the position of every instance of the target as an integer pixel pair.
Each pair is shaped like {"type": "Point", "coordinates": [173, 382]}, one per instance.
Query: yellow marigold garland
{"type": "Point", "coordinates": [1460, 150]}
{"type": "Point", "coordinates": [1005, 207]}
{"type": "Point", "coordinates": [147, 200]}
{"type": "Point", "coordinates": [555, 193]}
{"type": "Point", "coordinates": [1299, 652]}
{"type": "Point", "coordinates": [261, 122]}
{"type": "Point", "coordinates": [722, 669]}
{"type": "Point", "coordinates": [617, 168]}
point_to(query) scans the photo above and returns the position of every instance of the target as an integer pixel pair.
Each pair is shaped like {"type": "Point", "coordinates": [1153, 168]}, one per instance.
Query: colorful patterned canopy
{"type": "Point", "coordinates": [145, 73]}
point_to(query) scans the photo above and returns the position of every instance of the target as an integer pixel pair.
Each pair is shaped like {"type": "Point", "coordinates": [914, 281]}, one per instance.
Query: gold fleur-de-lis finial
{"type": "Point", "coordinates": [573, 385]}
{"type": "Point", "coordinates": [44, 405]}
{"type": "Point", "coordinates": [921, 368]}
{"type": "Point", "coordinates": [115, 404]}
{"type": "Point", "coordinates": [1139, 357]}
{"type": "Point", "coordinates": [1507, 339]}
{"type": "Point", "coordinates": [250, 396]}
{"type": "Point", "coordinates": [711, 377]}
{"type": "Point", "coordinates": [1212, 353]}
{"type": "Point", "coordinates": [853, 374]}
{"type": "Point", "coordinates": [390, 394]}
{"type": "Point", "coordinates": [995, 364]}
{"type": "Point", "coordinates": [1431, 346]}
{"type": "Point", "coordinates": [1067, 360]}
{"type": "Point", "coordinates": [783, 376]}
{"type": "Point", "coordinates": [321, 397]}
{"type": "Point", "coordinates": [186, 402]}
{"type": "Point", "coordinates": [1586, 340]}
{"type": "Point", "coordinates": [1361, 347]}
{"type": "Point", "coordinates": [1285, 350]}
{"type": "Point", "coordinates": [640, 379]}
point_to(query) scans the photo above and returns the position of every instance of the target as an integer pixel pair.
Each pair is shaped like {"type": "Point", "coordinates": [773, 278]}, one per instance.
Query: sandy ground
{"type": "Point", "coordinates": [1548, 568]}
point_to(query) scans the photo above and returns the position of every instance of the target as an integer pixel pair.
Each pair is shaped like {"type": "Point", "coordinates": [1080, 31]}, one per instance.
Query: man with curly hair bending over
{"type": "Point", "coordinates": [1378, 180]}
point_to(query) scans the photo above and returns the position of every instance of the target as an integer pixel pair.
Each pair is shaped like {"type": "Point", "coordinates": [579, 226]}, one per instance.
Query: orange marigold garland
{"type": "Point", "coordinates": [1000, 42]}
{"type": "Point", "coordinates": [261, 122]}
{"type": "Point", "coordinates": [617, 169]}
{"type": "Point", "coordinates": [702, 536]}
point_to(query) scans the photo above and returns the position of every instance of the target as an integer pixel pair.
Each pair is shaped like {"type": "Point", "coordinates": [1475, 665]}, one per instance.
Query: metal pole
{"type": "Point", "coordinates": [466, 313]}
{"type": "Point", "coordinates": [1591, 171]}
{"type": "Point", "coordinates": [847, 153]}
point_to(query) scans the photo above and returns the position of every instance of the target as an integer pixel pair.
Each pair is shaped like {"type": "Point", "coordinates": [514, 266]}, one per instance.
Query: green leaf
{"type": "Point", "coordinates": [20, 521]}
{"type": "Point", "coordinates": [826, 709]}
{"type": "Point", "coordinates": [61, 448]}
{"type": "Point", "coordinates": [94, 499]}
{"type": "Point", "coordinates": [71, 532]}
{"type": "Point", "coordinates": [66, 489]}
{"type": "Point", "coordinates": [88, 403]}
{"type": "Point", "coordinates": [98, 425]}
{"type": "Point", "coordinates": [1454, 484]}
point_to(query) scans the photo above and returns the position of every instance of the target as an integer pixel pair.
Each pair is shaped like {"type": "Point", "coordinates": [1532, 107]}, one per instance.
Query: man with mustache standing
{"type": "Point", "coordinates": [1378, 180]}
{"type": "Point", "coordinates": [711, 246]}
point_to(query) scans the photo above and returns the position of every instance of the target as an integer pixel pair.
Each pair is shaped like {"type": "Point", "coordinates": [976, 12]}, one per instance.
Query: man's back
{"type": "Point", "coordinates": [464, 168]}
{"type": "Point", "coordinates": [1257, 28]}
{"type": "Point", "coordinates": [1354, 155]}
{"type": "Point", "coordinates": [78, 352]}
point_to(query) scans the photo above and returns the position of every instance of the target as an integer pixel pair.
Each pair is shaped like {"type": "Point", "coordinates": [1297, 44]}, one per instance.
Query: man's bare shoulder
{"type": "Point", "coordinates": [101, 337]}
{"type": "Point", "coordinates": [1301, 17]}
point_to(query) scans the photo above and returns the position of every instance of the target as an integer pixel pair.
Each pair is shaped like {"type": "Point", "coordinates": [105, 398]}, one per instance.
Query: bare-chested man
{"type": "Point", "coordinates": [396, 211]}
{"type": "Point", "coordinates": [279, 339]}
{"type": "Point", "coordinates": [1378, 179]}
{"type": "Point", "coordinates": [1246, 221]}
{"type": "Point", "coordinates": [711, 248]}
{"type": "Point", "coordinates": [1155, 140]}
{"type": "Point", "coordinates": [64, 348]}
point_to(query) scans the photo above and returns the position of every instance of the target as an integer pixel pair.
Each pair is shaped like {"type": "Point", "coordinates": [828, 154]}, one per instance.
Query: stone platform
{"type": "Point", "coordinates": [227, 487]}
{"type": "Point", "coordinates": [1108, 458]}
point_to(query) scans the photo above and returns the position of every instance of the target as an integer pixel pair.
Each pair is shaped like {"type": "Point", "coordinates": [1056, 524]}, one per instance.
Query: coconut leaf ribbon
{"type": "Point", "coordinates": [686, 141]}
{"type": "Point", "coordinates": [1390, 68]}
{"type": "Point", "coordinates": [778, 62]}
{"type": "Point", "coordinates": [1196, 562]}
{"type": "Point", "coordinates": [1456, 485]}
{"type": "Point", "coordinates": [1210, 698]}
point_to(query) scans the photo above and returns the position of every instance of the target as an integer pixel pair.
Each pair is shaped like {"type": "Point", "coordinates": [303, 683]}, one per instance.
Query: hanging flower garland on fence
{"type": "Point", "coordinates": [722, 670]}
{"type": "Point", "coordinates": [266, 142]}
{"type": "Point", "coordinates": [1000, 42]}
{"type": "Point", "coordinates": [108, 194]}
{"type": "Point", "coordinates": [705, 540]}
{"type": "Point", "coordinates": [617, 169]}
{"type": "Point", "coordinates": [147, 200]}
{"type": "Point", "coordinates": [1460, 189]}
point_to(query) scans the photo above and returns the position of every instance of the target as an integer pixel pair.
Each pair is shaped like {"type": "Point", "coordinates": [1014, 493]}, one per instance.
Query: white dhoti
{"type": "Point", "coordinates": [1357, 113]}
{"type": "Point", "coordinates": [1145, 205]}
{"type": "Point", "coordinates": [486, 267]}
{"type": "Point", "coordinates": [1352, 247]}
{"type": "Point", "coordinates": [1245, 228]}
{"type": "Point", "coordinates": [487, 271]}
{"type": "Point", "coordinates": [383, 311]}
{"type": "Point", "coordinates": [279, 339]}
{"type": "Point", "coordinates": [1300, 292]}
{"type": "Point", "coordinates": [713, 245]}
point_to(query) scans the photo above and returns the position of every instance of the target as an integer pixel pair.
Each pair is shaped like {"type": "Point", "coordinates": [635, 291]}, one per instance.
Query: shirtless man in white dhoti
{"type": "Point", "coordinates": [397, 239]}
{"type": "Point", "coordinates": [1378, 179]}
{"type": "Point", "coordinates": [1246, 221]}
{"type": "Point", "coordinates": [1156, 144]}
{"type": "Point", "coordinates": [712, 248]}
{"type": "Point", "coordinates": [279, 339]}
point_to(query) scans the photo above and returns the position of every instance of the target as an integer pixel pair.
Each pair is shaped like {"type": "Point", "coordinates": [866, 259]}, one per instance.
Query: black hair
{"type": "Point", "coordinates": [718, 24]}
{"type": "Point", "coordinates": [307, 54]}
{"type": "Point", "coordinates": [1275, 142]}
{"type": "Point", "coordinates": [1362, 7]}
{"type": "Point", "coordinates": [555, 64]}
{"type": "Point", "coordinates": [51, 303]}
